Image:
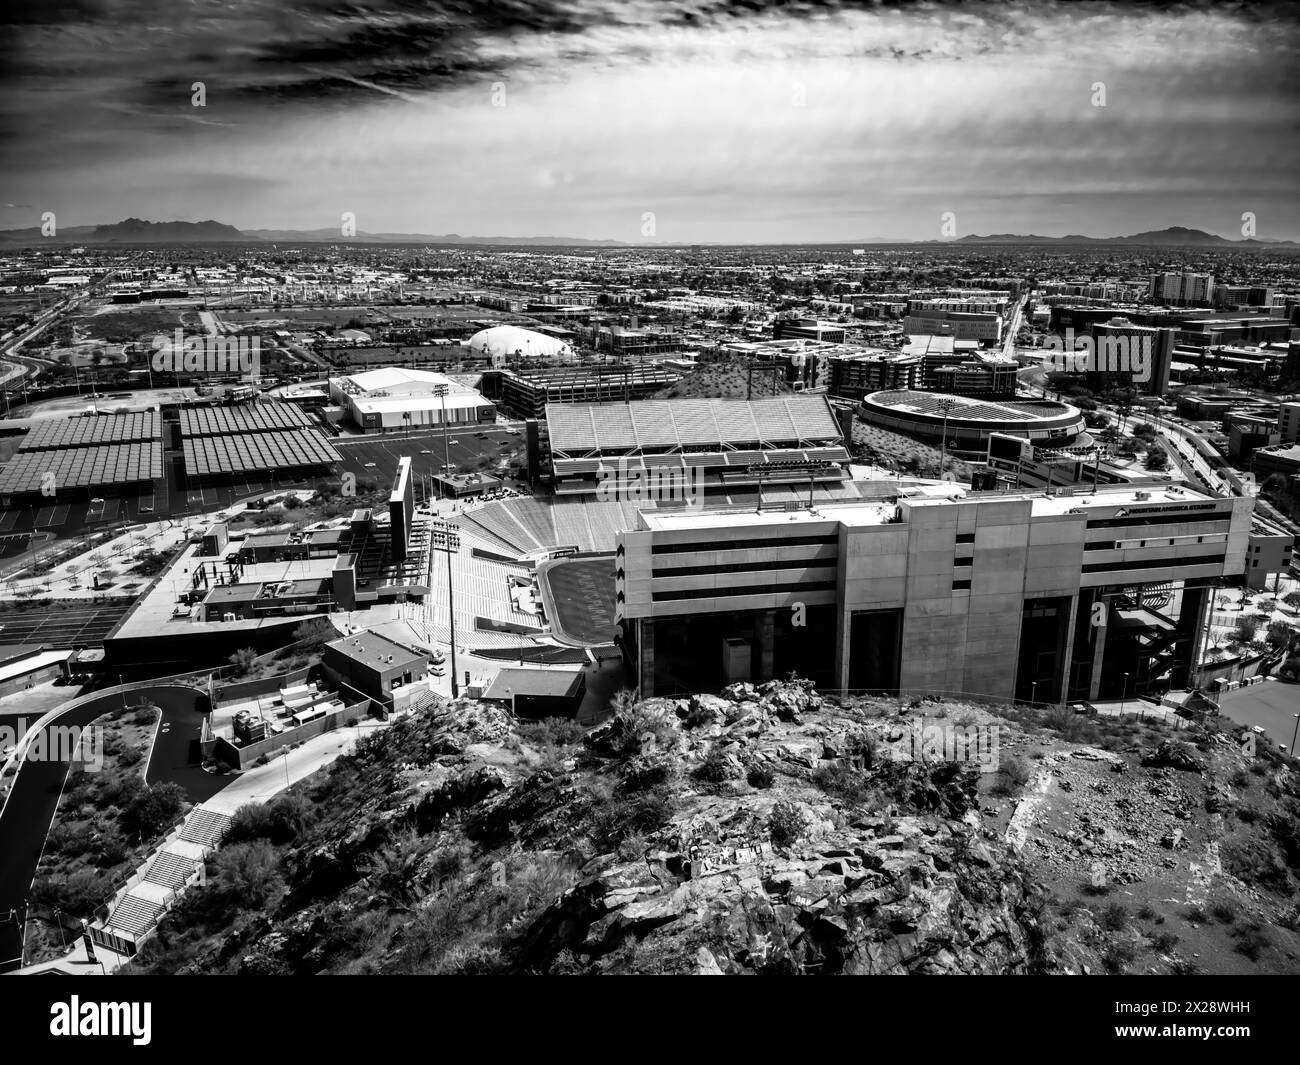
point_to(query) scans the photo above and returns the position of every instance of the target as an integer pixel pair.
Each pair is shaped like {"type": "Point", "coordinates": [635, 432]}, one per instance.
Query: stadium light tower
{"type": "Point", "coordinates": [444, 536]}
{"type": "Point", "coordinates": [441, 392]}
{"type": "Point", "coordinates": [946, 406]}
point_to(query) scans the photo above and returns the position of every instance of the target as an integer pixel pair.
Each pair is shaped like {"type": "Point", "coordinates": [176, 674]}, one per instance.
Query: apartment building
{"type": "Point", "coordinates": [1065, 594]}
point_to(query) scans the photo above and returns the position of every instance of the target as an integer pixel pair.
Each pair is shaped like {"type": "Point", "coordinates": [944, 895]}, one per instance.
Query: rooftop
{"type": "Point", "coordinates": [374, 650]}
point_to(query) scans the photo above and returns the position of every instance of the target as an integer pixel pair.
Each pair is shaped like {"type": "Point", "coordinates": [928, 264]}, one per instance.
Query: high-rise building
{"type": "Point", "coordinates": [1128, 355]}
{"type": "Point", "coordinates": [1185, 289]}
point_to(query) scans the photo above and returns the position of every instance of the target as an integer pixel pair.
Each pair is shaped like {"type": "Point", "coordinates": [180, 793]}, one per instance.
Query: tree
{"type": "Point", "coordinates": [1246, 630]}
{"type": "Point", "coordinates": [1279, 635]}
{"type": "Point", "coordinates": [242, 660]}
{"type": "Point", "coordinates": [1157, 459]}
{"type": "Point", "coordinates": [153, 809]}
{"type": "Point", "coordinates": [1292, 599]}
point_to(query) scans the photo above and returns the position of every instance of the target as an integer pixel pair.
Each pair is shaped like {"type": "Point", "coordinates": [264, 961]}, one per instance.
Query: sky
{"type": "Point", "coordinates": [654, 120]}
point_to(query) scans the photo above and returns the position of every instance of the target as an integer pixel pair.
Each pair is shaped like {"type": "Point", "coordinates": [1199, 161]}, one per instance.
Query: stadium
{"type": "Point", "coordinates": [723, 443]}
{"type": "Point", "coordinates": [970, 421]}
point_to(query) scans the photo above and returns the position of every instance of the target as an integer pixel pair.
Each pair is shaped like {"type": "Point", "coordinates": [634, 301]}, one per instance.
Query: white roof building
{"type": "Point", "coordinates": [502, 341]}
{"type": "Point", "coordinates": [395, 398]}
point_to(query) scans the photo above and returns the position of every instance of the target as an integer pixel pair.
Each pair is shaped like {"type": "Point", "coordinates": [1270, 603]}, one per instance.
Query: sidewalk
{"type": "Point", "coordinates": [264, 782]}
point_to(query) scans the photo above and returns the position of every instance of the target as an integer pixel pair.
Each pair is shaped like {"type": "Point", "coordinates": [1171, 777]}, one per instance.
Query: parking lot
{"type": "Point", "coordinates": [425, 449]}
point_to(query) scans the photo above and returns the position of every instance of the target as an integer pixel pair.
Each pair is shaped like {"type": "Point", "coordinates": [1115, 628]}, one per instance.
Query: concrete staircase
{"type": "Point", "coordinates": [135, 915]}
{"type": "Point", "coordinates": [205, 827]}
{"type": "Point", "coordinates": [153, 890]}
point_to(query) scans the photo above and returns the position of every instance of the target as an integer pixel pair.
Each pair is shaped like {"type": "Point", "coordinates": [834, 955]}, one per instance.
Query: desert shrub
{"type": "Point", "coordinates": [841, 782]}
{"type": "Point", "coordinates": [760, 776]}
{"type": "Point", "coordinates": [130, 756]}
{"type": "Point", "coordinates": [479, 960]}
{"type": "Point", "coordinates": [1251, 940]}
{"type": "Point", "coordinates": [1256, 861]}
{"type": "Point", "coordinates": [1164, 942]}
{"type": "Point", "coordinates": [244, 875]}
{"type": "Point", "coordinates": [1147, 912]}
{"type": "Point", "coordinates": [242, 661]}
{"type": "Point", "coordinates": [77, 893]}
{"type": "Point", "coordinates": [280, 821]}
{"type": "Point", "coordinates": [1117, 956]}
{"type": "Point", "coordinates": [1114, 917]}
{"type": "Point", "coordinates": [551, 731]}
{"type": "Point", "coordinates": [786, 823]}
{"type": "Point", "coordinates": [153, 809]}
{"type": "Point", "coordinates": [622, 817]}
{"type": "Point", "coordinates": [1012, 775]}
{"type": "Point", "coordinates": [714, 772]}
{"type": "Point", "coordinates": [1224, 910]}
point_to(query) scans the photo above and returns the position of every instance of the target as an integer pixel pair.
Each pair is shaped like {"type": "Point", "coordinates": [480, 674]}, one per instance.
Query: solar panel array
{"type": "Point", "coordinates": [258, 452]}
{"type": "Point", "coordinates": [658, 425]}
{"type": "Point", "coordinates": [99, 429]}
{"type": "Point", "coordinates": [228, 421]}
{"type": "Point", "coordinates": [80, 467]}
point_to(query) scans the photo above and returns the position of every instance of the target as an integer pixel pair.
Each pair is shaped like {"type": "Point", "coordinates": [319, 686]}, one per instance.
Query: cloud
{"type": "Point", "coordinates": [724, 118]}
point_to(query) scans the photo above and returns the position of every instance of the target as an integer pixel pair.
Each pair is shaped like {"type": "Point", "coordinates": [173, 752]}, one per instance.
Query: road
{"type": "Point", "coordinates": [29, 810]}
{"type": "Point", "coordinates": [1271, 705]}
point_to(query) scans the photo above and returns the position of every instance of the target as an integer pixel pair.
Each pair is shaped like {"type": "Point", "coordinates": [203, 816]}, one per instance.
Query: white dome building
{"type": "Point", "coordinates": [507, 341]}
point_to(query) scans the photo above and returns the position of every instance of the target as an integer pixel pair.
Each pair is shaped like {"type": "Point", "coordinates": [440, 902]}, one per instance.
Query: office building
{"type": "Point", "coordinates": [807, 329]}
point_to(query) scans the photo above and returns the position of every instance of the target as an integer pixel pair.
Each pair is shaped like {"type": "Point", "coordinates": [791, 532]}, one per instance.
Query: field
{"type": "Point", "coordinates": [581, 593]}
{"type": "Point", "coordinates": [116, 326]}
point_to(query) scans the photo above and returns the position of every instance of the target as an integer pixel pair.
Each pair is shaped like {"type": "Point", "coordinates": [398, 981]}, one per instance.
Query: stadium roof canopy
{"type": "Point", "coordinates": [665, 426]}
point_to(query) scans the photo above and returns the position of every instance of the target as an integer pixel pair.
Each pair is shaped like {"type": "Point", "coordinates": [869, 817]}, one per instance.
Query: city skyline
{"type": "Point", "coordinates": [660, 124]}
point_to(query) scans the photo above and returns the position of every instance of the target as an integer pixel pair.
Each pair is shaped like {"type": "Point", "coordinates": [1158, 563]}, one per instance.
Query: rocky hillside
{"type": "Point", "coordinates": [764, 831]}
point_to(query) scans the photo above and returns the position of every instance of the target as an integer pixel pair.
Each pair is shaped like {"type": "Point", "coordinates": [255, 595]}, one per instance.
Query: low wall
{"type": "Point", "coordinates": [227, 692]}
{"type": "Point", "coordinates": [244, 757]}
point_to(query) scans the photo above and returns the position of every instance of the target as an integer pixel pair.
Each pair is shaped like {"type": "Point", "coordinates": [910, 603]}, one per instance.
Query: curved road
{"type": "Point", "coordinates": [29, 810]}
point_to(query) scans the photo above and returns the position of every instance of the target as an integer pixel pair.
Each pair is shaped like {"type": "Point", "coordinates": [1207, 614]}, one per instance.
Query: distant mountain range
{"type": "Point", "coordinates": [138, 231]}
{"type": "Point", "coordinates": [1174, 236]}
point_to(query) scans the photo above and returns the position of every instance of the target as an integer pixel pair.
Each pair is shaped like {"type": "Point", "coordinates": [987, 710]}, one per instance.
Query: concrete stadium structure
{"type": "Point", "coordinates": [1076, 594]}
{"type": "Point", "coordinates": [714, 443]}
{"type": "Point", "coordinates": [969, 421]}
